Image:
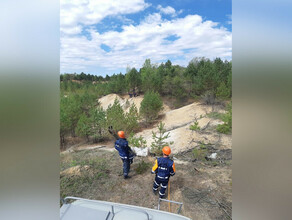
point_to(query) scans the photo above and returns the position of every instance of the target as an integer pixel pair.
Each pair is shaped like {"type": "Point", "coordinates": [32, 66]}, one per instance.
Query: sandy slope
{"type": "Point", "coordinates": [125, 102]}
{"type": "Point", "coordinates": [177, 123]}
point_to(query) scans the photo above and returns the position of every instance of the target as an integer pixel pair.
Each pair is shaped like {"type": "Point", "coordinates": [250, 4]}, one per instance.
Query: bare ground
{"type": "Point", "coordinates": [204, 187]}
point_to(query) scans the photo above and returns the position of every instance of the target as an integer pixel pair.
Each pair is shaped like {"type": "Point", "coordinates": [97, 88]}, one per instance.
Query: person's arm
{"type": "Point", "coordinates": [154, 168]}
{"type": "Point", "coordinates": [172, 170]}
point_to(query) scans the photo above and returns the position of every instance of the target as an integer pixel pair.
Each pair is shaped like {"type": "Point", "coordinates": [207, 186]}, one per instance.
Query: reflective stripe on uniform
{"type": "Point", "coordinates": [161, 193]}
{"type": "Point", "coordinates": [156, 183]}
{"type": "Point", "coordinates": [162, 177]}
{"type": "Point", "coordinates": [163, 168]}
{"type": "Point", "coordinates": [163, 186]}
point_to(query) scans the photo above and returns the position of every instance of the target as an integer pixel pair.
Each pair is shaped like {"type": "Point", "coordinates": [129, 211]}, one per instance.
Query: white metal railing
{"type": "Point", "coordinates": [65, 201]}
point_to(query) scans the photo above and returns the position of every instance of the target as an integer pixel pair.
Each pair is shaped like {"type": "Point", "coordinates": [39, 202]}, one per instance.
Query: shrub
{"type": "Point", "coordinates": [142, 167]}
{"type": "Point", "coordinates": [195, 126]}
{"type": "Point", "coordinates": [139, 142]}
{"type": "Point", "coordinates": [209, 98]}
{"type": "Point", "coordinates": [200, 153]}
{"type": "Point", "coordinates": [226, 128]}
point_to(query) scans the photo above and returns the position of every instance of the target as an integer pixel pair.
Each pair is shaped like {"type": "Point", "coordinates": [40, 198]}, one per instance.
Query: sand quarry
{"type": "Point", "coordinates": [177, 123]}
{"type": "Point", "coordinates": [204, 187]}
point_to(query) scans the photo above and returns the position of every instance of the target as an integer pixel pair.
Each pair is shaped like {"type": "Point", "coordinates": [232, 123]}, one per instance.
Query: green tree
{"type": "Point", "coordinates": [151, 105]}
{"type": "Point", "coordinates": [178, 90]}
{"type": "Point", "coordinates": [151, 80]}
{"type": "Point", "coordinates": [115, 116]}
{"type": "Point", "coordinates": [133, 79]}
{"type": "Point", "coordinates": [159, 139]}
{"type": "Point", "coordinates": [98, 123]}
{"type": "Point", "coordinates": [223, 92]}
{"type": "Point", "coordinates": [72, 107]}
{"type": "Point", "coordinates": [83, 127]}
{"type": "Point", "coordinates": [132, 119]}
{"type": "Point", "coordinates": [139, 142]}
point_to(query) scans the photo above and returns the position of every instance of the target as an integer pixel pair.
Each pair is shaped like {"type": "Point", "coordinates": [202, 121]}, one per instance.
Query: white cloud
{"type": "Point", "coordinates": [167, 10]}
{"type": "Point", "coordinates": [131, 46]}
{"type": "Point", "coordinates": [88, 12]}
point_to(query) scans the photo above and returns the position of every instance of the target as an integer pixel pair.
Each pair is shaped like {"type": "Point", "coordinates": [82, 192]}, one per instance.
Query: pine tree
{"type": "Point", "coordinates": [159, 140]}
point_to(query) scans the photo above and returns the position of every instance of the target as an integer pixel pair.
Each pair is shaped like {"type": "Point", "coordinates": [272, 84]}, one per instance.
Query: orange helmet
{"type": "Point", "coordinates": [166, 150]}
{"type": "Point", "coordinates": [121, 134]}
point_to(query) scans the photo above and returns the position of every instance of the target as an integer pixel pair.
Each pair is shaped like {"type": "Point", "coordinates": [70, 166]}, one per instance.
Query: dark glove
{"type": "Point", "coordinates": [131, 161]}
{"type": "Point", "coordinates": [172, 174]}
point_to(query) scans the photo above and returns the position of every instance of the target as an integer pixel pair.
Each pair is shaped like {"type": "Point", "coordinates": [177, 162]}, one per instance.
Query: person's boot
{"type": "Point", "coordinates": [154, 191]}
{"type": "Point", "coordinates": [127, 177]}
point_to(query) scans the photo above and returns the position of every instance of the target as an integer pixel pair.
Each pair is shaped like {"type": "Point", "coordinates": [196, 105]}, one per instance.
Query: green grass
{"type": "Point", "coordinates": [95, 172]}
{"type": "Point", "coordinates": [142, 167]}
{"type": "Point", "coordinates": [215, 115]}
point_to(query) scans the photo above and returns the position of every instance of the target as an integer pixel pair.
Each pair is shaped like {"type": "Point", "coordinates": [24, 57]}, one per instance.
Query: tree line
{"type": "Point", "coordinates": [81, 115]}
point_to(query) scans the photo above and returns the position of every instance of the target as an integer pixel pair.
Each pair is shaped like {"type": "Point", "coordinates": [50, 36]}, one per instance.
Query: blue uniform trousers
{"type": "Point", "coordinates": [163, 183]}
{"type": "Point", "coordinates": [126, 166]}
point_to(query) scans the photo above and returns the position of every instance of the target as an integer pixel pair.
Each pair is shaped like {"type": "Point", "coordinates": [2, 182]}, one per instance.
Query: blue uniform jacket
{"type": "Point", "coordinates": [121, 145]}
{"type": "Point", "coordinates": [164, 167]}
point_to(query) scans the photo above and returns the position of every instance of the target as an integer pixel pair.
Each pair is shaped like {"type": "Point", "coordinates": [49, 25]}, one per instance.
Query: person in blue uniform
{"type": "Point", "coordinates": [125, 152]}
{"type": "Point", "coordinates": [163, 168]}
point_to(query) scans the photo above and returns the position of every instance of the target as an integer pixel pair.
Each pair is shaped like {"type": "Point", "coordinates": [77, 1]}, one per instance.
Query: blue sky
{"type": "Point", "coordinates": [106, 36]}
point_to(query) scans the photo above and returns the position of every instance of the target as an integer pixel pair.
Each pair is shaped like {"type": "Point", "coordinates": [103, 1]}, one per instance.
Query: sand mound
{"type": "Point", "coordinates": [125, 102]}
{"type": "Point", "coordinates": [109, 100]}
{"type": "Point", "coordinates": [177, 123]}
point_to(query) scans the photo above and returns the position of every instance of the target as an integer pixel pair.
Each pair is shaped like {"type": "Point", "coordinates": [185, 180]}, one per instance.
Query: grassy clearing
{"type": "Point", "coordinates": [80, 171]}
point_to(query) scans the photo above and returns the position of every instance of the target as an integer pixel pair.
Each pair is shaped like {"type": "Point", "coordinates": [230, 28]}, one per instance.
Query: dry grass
{"type": "Point", "coordinates": [97, 174]}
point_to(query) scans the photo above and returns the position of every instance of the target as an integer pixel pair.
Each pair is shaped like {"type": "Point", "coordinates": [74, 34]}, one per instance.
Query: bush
{"type": "Point", "coordinates": [142, 167]}
{"type": "Point", "coordinates": [195, 126]}
{"type": "Point", "coordinates": [200, 153]}
{"type": "Point", "coordinates": [151, 106]}
{"type": "Point", "coordinates": [209, 98]}
{"type": "Point", "coordinates": [226, 128]}
{"type": "Point", "coordinates": [139, 142]}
